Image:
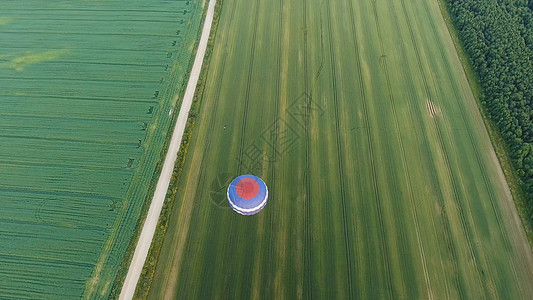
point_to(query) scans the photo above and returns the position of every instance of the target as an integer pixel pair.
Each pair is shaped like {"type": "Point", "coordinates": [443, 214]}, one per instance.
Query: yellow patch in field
{"type": "Point", "coordinates": [5, 20]}
{"type": "Point", "coordinates": [21, 62]}
{"type": "Point", "coordinates": [433, 110]}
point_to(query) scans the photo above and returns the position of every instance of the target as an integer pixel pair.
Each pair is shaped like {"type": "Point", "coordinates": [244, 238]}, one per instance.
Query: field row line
{"type": "Point", "coordinates": [273, 172]}
{"type": "Point", "coordinates": [65, 34]}
{"type": "Point", "coordinates": [248, 85]}
{"type": "Point", "coordinates": [95, 48]}
{"type": "Point", "coordinates": [170, 21]}
{"type": "Point", "coordinates": [307, 223]}
{"type": "Point", "coordinates": [26, 9]}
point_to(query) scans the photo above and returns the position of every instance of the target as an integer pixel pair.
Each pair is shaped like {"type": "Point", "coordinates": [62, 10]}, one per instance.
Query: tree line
{"type": "Point", "coordinates": [498, 38]}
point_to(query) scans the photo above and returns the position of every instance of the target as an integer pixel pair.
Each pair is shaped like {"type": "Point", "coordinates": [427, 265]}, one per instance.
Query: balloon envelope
{"type": "Point", "coordinates": [247, 194]}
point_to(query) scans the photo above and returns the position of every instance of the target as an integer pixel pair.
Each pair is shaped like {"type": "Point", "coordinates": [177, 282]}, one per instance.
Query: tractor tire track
{"type": "Point", "coordinates": [475, 235]}
{"type": "Point", "coordinates": [370, 144]}
{"type": "Point", "coordinates": [248, 85]}
{"type": "Point", "coordinates": [444, 218]}
{"type": "Point", "coordinates": [307, 226]}
{"type": "Point", "coordinates": [404, 160]}
{"type": "Point", "coordinates": [276, 128]}
{"type": "Point", "coordinates": [272, 174]}
{"type": "Point", "coordinates": [418, 120]}
{"type": "Point", "coordinates": [347, 239]}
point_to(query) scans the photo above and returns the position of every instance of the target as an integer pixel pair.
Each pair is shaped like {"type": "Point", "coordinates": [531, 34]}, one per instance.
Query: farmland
{"type": "Point", "coordinates": [87, 92]}
{"type": "Point", "coordinates": [382, 179]}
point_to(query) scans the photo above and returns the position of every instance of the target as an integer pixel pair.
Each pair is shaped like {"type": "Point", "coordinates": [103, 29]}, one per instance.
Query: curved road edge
{"type": "Point", "coordinates": [150, 224]}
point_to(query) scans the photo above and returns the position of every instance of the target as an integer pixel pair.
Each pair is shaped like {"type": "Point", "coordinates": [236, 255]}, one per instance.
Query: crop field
{"type": "Point", "coordinates": [87, 91]}
{"type": "Point", "coordinates": [382, 179]}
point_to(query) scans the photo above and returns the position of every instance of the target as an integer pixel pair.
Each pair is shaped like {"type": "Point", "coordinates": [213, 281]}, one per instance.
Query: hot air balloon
{"type": "Point", "coordinates": [247, 194]}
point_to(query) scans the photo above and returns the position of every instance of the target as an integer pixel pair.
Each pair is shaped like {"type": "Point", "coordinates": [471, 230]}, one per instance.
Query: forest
{"type": "Point", "coordinates": [498, 38]}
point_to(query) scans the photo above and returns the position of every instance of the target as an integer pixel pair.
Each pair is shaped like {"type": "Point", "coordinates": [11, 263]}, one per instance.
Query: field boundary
{"type": "Point", "coordinates": [500, 148]}
{"type": "Point", "coordinates": [145, 279]}
{"type": "Point", "coordinates": [121, 275]}
{"type": "Point", "coordinates": [167, 172]}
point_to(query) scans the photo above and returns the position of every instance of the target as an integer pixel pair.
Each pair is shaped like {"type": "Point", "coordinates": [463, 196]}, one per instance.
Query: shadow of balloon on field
{"type": "Point", "coordinates": [218, 189]}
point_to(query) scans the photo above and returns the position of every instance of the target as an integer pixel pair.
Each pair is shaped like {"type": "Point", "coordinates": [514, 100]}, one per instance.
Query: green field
{"type": "Point", "coordinates": [382, 179]}
{"type": "Point", "coordinates": [85, 88]}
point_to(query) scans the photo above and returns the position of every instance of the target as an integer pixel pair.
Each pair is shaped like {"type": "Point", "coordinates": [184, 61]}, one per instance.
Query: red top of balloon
{"type": "Point", "coordinates": [247, 188]}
